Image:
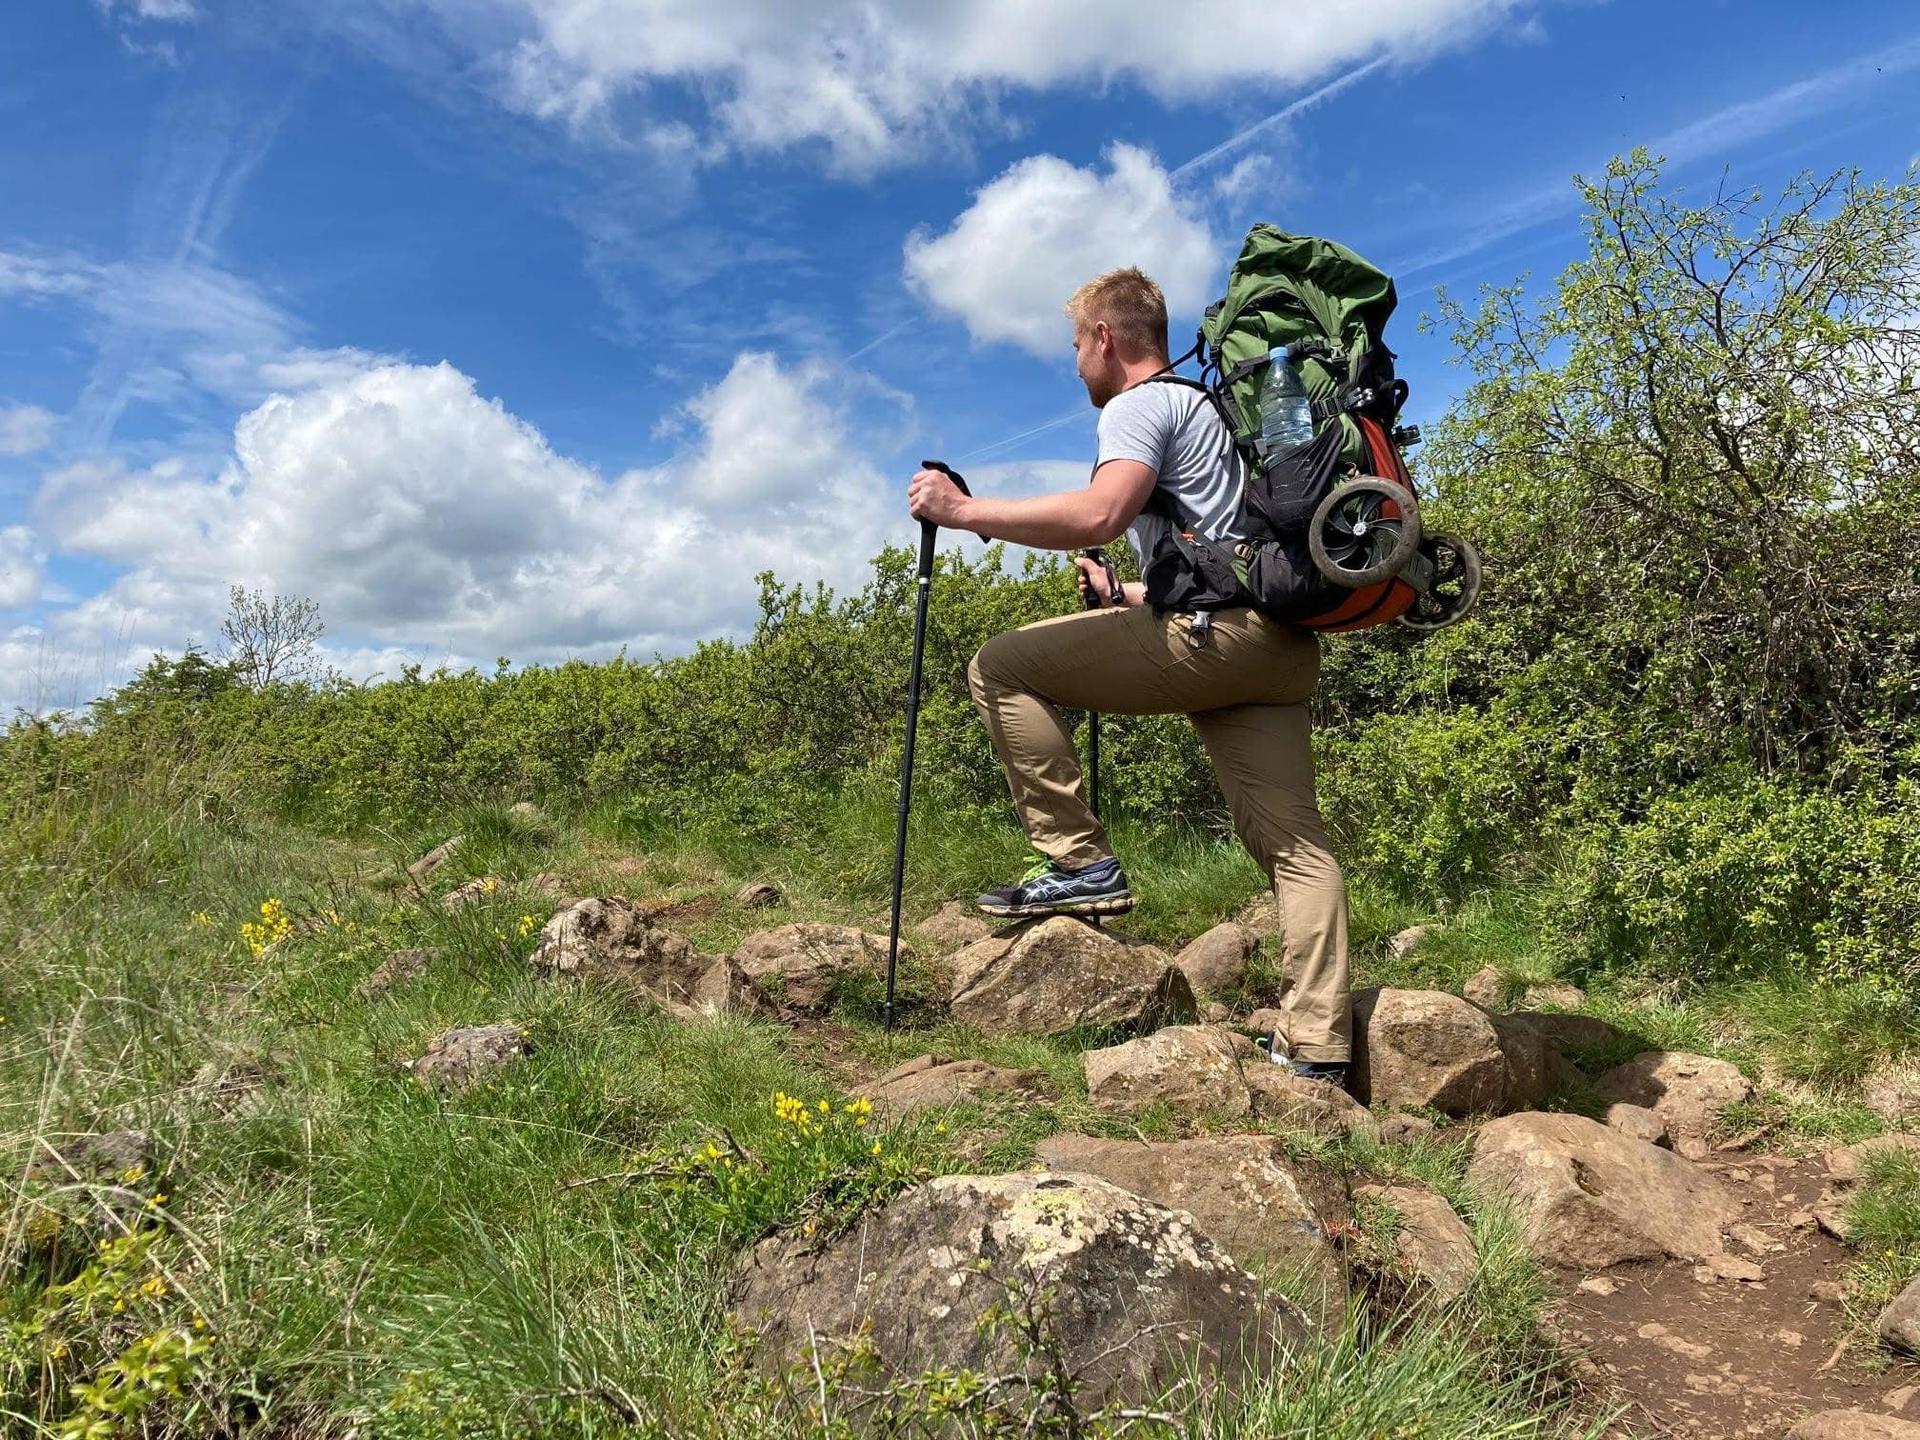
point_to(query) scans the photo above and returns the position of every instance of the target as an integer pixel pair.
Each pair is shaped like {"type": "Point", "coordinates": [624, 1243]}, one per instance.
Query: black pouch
{"type": "Point", "coordinates": [1186, 574]}
{"type": "Point", "coordinates": [1284, 490]}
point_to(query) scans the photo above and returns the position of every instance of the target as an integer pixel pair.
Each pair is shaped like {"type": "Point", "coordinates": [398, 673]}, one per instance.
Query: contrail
{"type": "Point", "coordinates": [1280, 117]}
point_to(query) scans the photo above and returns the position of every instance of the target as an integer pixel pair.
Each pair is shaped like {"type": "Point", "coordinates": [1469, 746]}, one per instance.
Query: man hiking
{"type": "Point", "coordinates": [1240, 677]}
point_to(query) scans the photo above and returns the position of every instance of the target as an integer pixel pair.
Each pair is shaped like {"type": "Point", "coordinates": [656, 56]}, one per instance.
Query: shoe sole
{"type": "Point", "coordinates": [1109, 905]}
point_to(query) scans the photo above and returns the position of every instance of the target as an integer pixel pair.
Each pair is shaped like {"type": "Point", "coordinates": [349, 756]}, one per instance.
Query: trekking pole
{"type": "Point", "coordinates": [1092, 602]}
{"type": "Point", "coordinates": [924, 575]}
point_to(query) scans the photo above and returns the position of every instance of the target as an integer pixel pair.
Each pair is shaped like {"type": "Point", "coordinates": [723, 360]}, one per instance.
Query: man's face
{"type": "Point", "coordinates": [1093, 361]}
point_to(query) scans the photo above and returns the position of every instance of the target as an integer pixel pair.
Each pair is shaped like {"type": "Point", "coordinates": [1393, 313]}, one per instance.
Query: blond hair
{"type": "Point", "coordinates": [1130, 303]}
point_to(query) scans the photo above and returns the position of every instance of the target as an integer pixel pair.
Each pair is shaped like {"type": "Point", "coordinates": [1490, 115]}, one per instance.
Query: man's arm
{"type": "Point", "coordinates": [1066, 521]}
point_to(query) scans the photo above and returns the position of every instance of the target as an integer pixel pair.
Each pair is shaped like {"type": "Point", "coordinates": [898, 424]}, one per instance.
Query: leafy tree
{"type": "Point", "coordinates": [270, 637]}
{"type": "Point", "coordinates": [1692, 468]}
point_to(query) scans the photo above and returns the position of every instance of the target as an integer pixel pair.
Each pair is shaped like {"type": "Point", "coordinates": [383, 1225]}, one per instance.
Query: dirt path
{"type": "Point", "coordinates": [1690, 1352]}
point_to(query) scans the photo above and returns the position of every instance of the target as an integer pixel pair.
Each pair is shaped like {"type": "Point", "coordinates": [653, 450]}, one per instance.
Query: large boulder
{"type": "Point", "coordinates": [1130, 1291]}
{"type": "Point", "coordinates": [461, 1058]}
{"type": "Point", "coordinates": [1218, 959]}
{"type": "Point", "coordinates": [1426, 1049]}
{"type": "Point", "coordinates": [933, 1081]}
{"type": "Point", "coordinates": [1900, 1322]}
{"type": "Point", "coordinates": [1063, 975]}
{"type": "Point", "coordinates": [1535, 1066]}
{"type": "Point", "coordinates": [1244, 1192]}
{"type": "Point", "coordinates": [1431, 1246]}
{"type": "Point", "coordinates": [800, 967]}
{"type": "Point", "coordinates": [1688, 1091]}
{"type": "Point", "coordinates": [1195, 1068]}
{"type": "Point", "coordinates": [610, 938]}
{"type": "Point", "coordinates": [1293, 1102]}
{"type": "Point", "coordinates": [1591, 1197]}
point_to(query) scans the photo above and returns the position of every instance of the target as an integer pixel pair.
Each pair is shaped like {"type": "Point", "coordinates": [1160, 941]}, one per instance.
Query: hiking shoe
{"type": "Point", "coordinates": [1332, 1072]}
{"type": "Point", "coordinates": [1046, 889]}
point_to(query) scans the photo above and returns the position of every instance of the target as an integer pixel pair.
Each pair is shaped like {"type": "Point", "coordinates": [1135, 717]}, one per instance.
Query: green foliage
{"type": "Point", "coordinates": [1687, 713]}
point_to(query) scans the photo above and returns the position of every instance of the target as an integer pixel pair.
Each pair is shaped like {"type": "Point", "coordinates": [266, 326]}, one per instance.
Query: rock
{"type": "Point", "coordinates": [758, 895]}
{"type": "Point", "coordinates": [470, 893]}
{"type": "Point", "coordinates": [1642, 1124]}
{"type": "Point", "coordinates": [238, 1084]}
{"type": "Point", "coordinates": [1262, 916]}
{"type": "Point", "coordinates": [118, 1157]}
{"type": "Point", "coordinates": [1262, 1022]}
{"type": "Point", "coordinates": [953, 926]}
{"type": "Point", "coordinates": [1827, 1292]}
{"type": "Point", "coordinates": [550, 886]}
{"type": "Point", "coordinates": [1728, 1267]}
{"type": "Point", "coordinates": [1400, 1128]}
{"type": "Point", "coordinates": [1135, 1295]}
{"type": "Point", "coordinates": [434, 858]}
{"type": "Point", "coordinates": [1214, 1013]}
{"type": "Point", "coordinates": [1591, 1197]}
{"type": "Point", "coordinates": [1487, 988]}
{"type": "Point", "coordinates": [1191, 1067]}
{"type": "Point", "coordinates": [1556, 995]}
{"type": "Point", "coordinates": [1899, 1323]}
{"type": "Point", "coordinates": [1569, 1032]}
{"type": "Point", "coordinates": [1431, 1244]}
{"type": "Point", "coordinates": [1403, 944]}
{"type": "Point", "coordinates": [1689, 1091]}
{"type": "Point", "coordinates": [1243, 1191]}
{"type": "Point", "coordinates": [1535, 1068]}
{"type": "Point", "coordinates": [1853, 1425]}
{"type": "Point", "coordinates": [610, 938]}
{"type": "Point", "coordinates": [1296, 1103]}
{"type": "Point", "coordinates": [1848, 1164]}
{"type": "Point", "coordinates": [1218, 959]}
{"type": "Point", "coordinates": [1425, 1049]}
{"type": "Point", "coordinates": [800, 967]}
{"type": "Point", "coordinates": [932, 1081]}
{"type": "Point", "coordinates": [460, 1059]}
{"type": "Point", "coordinates": [399, 966]}
{"type": "Point", "coordinates": [1062, 975]}
{"type": "Point", "coordinates": [526, 812]}
{"type": "Point", "coordinates": [1893, 1094]}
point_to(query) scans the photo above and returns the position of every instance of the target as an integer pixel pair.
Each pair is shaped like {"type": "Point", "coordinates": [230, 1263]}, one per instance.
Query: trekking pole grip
{"type": "Point", "coordinates": [928, 530]}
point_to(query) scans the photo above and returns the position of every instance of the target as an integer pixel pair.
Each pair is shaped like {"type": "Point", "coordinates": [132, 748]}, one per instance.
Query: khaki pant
{"type": "Point", "coordinates": [1245, 692]}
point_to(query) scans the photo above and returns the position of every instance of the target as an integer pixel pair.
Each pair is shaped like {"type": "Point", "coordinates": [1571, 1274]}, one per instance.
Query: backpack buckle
{"type": "Point", "coordinates": [1201, 630]}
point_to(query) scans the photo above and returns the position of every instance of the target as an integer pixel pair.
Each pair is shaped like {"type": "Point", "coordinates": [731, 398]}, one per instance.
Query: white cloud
{"type": "Point", "coordinates": [878, 84]}
{"type": "Point", "coordinates": [25, 429]}
{"type": "Point", "coordinates": [20, 568]}
{"type": "Point", "coordinates": [427, 520]}
{"type": "Point", "coordinates": [1043, 228]}
{"type": "Point", "coordinates": [171, 333]}
{"type": "Point", "coordinates": [161, 10]}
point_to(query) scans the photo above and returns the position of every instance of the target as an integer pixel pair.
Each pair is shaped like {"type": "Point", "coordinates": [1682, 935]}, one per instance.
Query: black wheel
{"type": "Point", "coordinates": [1451, 589]}
{"type": "Point", "coordinates": [1364, 532]}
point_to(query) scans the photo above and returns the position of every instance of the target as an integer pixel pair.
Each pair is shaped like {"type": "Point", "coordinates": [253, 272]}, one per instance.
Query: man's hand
{"type": "Point", "coordinates": [932, 496]}
{"type": "Point", "coordinates": [1093, 580]}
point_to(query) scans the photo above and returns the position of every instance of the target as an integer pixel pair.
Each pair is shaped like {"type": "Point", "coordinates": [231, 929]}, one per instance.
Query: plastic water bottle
{"type": "Point", "coordinates": [1286, 415]}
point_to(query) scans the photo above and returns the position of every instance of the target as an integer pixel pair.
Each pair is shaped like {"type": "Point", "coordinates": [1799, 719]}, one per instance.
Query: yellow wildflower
{"type": "Point", "coordinates": [876, 1147]}
{"type": "Point", "coordinates": [201, 917]}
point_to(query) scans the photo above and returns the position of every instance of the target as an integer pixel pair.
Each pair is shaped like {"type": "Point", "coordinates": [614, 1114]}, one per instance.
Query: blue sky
{"type": "Point", "coordinates": [536, 327]}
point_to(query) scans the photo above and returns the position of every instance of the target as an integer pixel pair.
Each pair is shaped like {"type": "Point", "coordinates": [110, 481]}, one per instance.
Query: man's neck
{"type": "Point", "coordinates": [1138, 370]}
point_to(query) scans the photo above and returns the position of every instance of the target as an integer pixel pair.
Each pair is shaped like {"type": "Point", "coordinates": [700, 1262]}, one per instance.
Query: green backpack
{"type": "Point", "coordinates": [1332, 525]}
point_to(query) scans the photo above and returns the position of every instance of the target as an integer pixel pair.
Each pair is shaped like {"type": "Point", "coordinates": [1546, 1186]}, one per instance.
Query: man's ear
{"type": "Point", "coordinates": [1103, 333]}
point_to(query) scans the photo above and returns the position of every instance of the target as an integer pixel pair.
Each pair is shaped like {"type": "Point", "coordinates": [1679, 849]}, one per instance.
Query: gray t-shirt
{"type": "Point", "coordinates": [1175, 431]}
